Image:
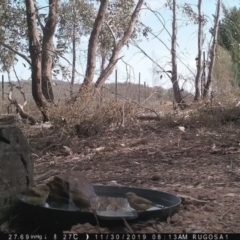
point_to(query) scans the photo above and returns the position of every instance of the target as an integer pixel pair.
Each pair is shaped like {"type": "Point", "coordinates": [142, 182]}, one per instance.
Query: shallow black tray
{"type": "Point", "coordinates": [53, 218]}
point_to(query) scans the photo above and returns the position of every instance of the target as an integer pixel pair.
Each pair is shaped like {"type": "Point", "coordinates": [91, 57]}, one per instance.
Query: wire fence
{"type": "Point", "coordinates": [139, 92]}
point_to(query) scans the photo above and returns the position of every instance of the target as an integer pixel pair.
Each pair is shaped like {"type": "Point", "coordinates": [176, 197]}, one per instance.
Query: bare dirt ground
{"type": "Point", "coordinates": [197, 162]}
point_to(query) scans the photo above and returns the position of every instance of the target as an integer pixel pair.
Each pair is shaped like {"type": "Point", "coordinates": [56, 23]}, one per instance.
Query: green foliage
{"type": "Point", "coordinates": [223, 75]}
{"type": "Point", "coordinates": [5, 59]}
{"type": "Point", "coordinates": [76, 18]}
{"type": "Point", "coordinates": [118, 17]}
{"type": "Point", "coordinates": [13, 31]}
{"type": "Point", "coordinates": [229, 28]}
{"type": "Point", "coordinates": [229, 38]}
{"type": "Point", "coordinates": [80, 15]}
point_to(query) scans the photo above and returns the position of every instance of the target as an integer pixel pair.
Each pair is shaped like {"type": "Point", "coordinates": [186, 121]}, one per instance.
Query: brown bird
{"type": "Point", "coordinates": [80, 200]}
{"type": "Point", "coordinates": [36, 195]}
{"type": "Point", "coordinates": [138, 203]}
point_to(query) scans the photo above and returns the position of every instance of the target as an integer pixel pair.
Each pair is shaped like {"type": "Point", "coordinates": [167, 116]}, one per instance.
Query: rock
{"type": "Point", "coordinates": [175, 218]}
{"type": "Point", "coordinates": [193, 229]}
{"type": "Point", "coordinates": [16, 165]}
{"type": "Point", "coordinates": [86, 228]}
{"type": "Point", "coordinates": [208, 208]}
{"type": "Point", "coordinates": [155, 178]}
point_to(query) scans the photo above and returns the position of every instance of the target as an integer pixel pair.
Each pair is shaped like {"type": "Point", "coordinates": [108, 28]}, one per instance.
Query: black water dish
{"type": "Point", "coordinates": [59, 219]}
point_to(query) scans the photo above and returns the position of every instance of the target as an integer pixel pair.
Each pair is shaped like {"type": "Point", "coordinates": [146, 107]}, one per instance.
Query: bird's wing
{"type": "Point", "coordinates": [81, 200]}
{"type": "Point", "coordinates": [31, 192]}
{"type": "Point", "coordinates": [140, 200]}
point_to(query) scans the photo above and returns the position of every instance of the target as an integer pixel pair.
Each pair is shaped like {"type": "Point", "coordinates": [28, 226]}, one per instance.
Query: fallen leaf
{"type": "Point", "coordinates": [68, 149]}
{"type": "Point", "coordinates": [181, 128]}
{"type": "Point", "coordinates": [99, 149]}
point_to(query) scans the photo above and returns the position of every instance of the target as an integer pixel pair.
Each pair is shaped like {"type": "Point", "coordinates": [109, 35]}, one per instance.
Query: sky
{"type": "Point", "coordinates": [140, 65]}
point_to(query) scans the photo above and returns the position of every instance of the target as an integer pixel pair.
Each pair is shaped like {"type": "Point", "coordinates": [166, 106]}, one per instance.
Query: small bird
{"type": "Point", "coordinates": [138, 203]}
{"type": "Point", "coordinates": [80, 200]}
{"type": "Point", "coordinates": [36, 195]}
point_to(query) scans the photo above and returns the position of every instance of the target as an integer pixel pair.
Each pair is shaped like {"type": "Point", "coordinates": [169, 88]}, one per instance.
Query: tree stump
{"type": "Point", "coordinates": [16, 165]}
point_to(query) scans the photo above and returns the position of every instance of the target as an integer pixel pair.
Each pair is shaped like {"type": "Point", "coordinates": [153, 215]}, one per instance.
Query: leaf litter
{"type": "Point", "coordinates": [200, 165]}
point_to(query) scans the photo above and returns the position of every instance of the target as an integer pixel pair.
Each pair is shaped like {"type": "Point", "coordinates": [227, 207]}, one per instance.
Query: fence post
{"type": "Point", "coordinates": [203, 77]}
{"type": "Point", "coordinates": [139, 88]}
{"type": "Point", "coordinates": [145, 91]}
{"type": "Point", "coordinates": [116, 84]}
{"type": "Point", "coordinates": [3, 87]}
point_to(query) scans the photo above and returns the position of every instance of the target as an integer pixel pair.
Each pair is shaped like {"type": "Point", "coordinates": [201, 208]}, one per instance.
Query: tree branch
{"type": "Point", "coordinates": [16, 52]}
{"type": "Point", "coordinates": [213, 50]}
{"type": "Point", "coordinates": [117, 48]}
{"type": "Point", "coordinates": [110, 29]}
{"type": "Point", "coordinates": [163, 70]}
{"type": "Point", "coordinates": [93, 42]}
{"type": "Point", "coordinates": [38, 18]}
{"type": "Point", "coordinates": [20, 107]}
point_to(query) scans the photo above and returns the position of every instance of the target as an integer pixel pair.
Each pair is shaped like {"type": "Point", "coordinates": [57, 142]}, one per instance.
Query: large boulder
{"type": "Point", "coordinates": [16, 165]}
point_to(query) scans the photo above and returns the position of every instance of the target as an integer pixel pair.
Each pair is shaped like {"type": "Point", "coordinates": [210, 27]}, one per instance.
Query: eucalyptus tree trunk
{"type": "Point", "coordinates": [213, 50]}
{"type": "Point", "coordinates": [118, 46]}
{"type": "Point", "coordinates": [48, 50]}
{"type": "Point", "coordinates": [92, 47]}
{"type": "Point", "coordinates": [174, 79]}
{"type": "Point", "coordinates": [73, 60]}
{"type": "Point", "coordinates": [36, 58]}
{"type": "Point", "coordinates": [199, 62]}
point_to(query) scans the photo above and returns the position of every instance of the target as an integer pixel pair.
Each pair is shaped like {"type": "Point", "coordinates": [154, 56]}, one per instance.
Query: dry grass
{"type": "Point", "coordinates": [94, 116]}
{"type": "Point", "coordinates": [91, 117]}
{"type": "Point", "coordinates": [215, 116]}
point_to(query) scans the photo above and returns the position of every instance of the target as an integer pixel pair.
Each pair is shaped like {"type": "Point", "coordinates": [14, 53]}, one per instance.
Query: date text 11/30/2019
{"type": "Point", "coordinates": [155, 236]}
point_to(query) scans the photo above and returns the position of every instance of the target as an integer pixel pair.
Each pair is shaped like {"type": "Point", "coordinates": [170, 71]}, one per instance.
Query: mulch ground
{"type": "Point", "coordinates": [200, 163]}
